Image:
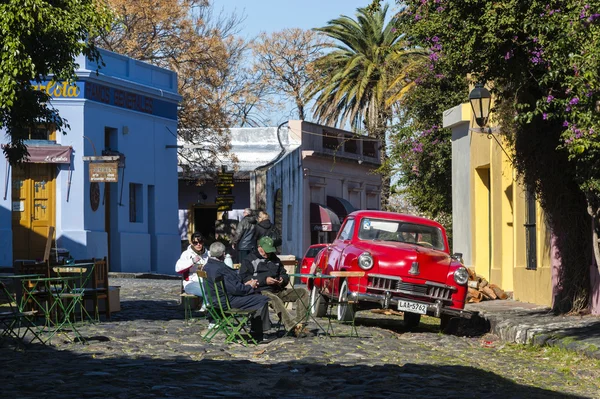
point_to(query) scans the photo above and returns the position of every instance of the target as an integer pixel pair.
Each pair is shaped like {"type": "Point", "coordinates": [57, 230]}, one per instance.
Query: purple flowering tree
{"type": "Point", "coordinates": [541, 60]}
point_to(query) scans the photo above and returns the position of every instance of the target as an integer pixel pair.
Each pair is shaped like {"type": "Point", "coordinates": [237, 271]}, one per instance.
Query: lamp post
{"type": "Point", "coordinates": [480, 99]}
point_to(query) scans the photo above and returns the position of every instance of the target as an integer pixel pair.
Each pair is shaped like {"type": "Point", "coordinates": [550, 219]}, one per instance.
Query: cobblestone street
{"type": "Point", "coordinates": [149, 350]}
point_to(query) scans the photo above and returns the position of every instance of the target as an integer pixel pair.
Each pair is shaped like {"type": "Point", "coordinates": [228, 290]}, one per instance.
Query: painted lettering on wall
{"type": "Point", "coordinates": [58, 89]}
{"type": "Point", "coordinates": [118, 97]}
{"type": "Point", "coordinates": [109, 95]}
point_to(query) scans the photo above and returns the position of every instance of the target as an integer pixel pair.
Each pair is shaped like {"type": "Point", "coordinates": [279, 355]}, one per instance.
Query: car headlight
{"type": "Point", "coordinates": [365, 261]}
{"type": "Point", "coordinates": [461, 275]}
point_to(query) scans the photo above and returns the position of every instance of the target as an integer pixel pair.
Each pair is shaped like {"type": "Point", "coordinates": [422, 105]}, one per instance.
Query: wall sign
{"type": "Point", "coordinates": [104, 172]}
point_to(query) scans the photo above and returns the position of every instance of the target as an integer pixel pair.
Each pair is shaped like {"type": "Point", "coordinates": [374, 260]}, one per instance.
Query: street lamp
{"type": "Point", "coordinates": [480, 99]}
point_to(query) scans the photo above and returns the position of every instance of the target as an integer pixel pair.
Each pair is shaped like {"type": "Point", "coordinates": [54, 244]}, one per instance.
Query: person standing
{"type": "Point", "coordinates": [264, 227]}
{"type": "Point", "coordinates": [191, 259]}
{"type": "Point", "coordinates": [243, 240]}
{"type": "Point", "coordinates": [240, 295]}
{"type": "Point", "coordinates": [263, 265]}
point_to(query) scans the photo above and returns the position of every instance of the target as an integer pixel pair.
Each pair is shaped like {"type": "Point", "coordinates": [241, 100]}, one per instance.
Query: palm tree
{"type": "Point", "coordinates": [363, 76]}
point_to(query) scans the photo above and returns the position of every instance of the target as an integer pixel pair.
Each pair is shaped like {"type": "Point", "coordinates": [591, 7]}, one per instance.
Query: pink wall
{"type": "Point", "coordinates": [594, 280]}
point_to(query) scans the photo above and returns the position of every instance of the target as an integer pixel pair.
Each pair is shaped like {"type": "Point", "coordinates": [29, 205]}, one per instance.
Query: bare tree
{"type": "Point", "coordinates": [205, 50]}
{"type": "Point", "coordinates": [283, 60]}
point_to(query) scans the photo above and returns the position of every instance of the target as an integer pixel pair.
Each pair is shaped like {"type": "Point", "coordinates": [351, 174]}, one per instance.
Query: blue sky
{"type": "Point", "coordinates": [275, 15]}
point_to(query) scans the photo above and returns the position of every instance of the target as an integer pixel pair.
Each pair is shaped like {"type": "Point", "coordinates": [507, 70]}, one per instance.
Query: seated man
{"type": "Point", "coordinates": [240, 295]}
{"type": "Point", "coordinates": [265, 266]}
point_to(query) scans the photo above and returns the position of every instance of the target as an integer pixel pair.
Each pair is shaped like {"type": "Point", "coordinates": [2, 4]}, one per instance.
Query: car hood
{"type": "Point", "coordinates": [396, 259]}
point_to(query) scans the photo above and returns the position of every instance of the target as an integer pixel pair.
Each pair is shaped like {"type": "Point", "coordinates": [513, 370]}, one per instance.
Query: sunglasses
{"type": "Point", "coordinates": [197, 242]}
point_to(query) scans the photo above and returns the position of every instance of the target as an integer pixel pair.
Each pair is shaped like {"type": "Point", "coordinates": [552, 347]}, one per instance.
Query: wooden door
{"type": "Point", "coordinates": [33, 209]}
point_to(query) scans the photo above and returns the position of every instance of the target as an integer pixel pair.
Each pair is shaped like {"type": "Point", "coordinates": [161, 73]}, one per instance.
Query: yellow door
{"type": "Point", "coordinates": [33, 208]}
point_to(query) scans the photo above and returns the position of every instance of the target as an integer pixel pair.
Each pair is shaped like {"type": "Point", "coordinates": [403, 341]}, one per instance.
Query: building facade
{"type": "Point", "coordinates": [127, 114]}
{"type": "Point", "coordinates": [308, 177]}
{"type": "Point", "coordinates": [497, 223]}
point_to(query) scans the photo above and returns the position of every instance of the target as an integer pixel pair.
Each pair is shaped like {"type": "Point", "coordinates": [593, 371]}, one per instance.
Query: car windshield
{"type": "Point", "coordinates": [397, 231]}
{"type": "Point", "coordinates": [312, 252]}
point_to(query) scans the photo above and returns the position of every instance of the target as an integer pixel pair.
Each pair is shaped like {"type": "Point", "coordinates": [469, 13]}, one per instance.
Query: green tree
{"type": "Point", "coordinates": [364, 74]}
{"type": "Point", "coordinates": [421, 150]}
{"type": "Point", "coordinates": [40, 40]}
{"type": "Point", "coordinates": [541, 60]}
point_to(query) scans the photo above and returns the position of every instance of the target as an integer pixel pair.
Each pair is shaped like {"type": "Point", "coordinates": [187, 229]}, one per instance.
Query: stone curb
{"type": "Point", "coordinates": [151, 276]}
{"type": "Point", "coordinates": [570, 333]}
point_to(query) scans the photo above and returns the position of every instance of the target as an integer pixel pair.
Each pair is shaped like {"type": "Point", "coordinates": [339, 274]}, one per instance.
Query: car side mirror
{"type": "Point", "coordinates": [458, 256]}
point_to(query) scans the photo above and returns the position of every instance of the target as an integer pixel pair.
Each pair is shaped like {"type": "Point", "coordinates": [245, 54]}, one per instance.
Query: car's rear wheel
{"type": "Point", "coordinates": [411, 320]}
{"type": "Point", "coordinates": [345, 311]}
{"type": "Point", "coordinates": [318, 303]}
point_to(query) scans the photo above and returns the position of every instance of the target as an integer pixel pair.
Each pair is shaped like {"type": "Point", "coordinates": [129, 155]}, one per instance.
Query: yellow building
{"type": "Point", "coordinates": [497, 223]}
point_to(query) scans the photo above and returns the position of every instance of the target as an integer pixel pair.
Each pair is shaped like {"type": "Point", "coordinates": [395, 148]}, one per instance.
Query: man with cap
{"type": "Point", "coordinates": [263, 265]}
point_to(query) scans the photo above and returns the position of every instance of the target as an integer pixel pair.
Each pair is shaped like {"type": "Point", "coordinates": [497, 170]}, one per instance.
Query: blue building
{"type": "Point", "coordinates": [123, 124]}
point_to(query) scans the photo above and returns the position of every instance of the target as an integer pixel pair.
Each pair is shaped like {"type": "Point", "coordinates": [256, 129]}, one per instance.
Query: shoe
{"type": "Point", "coordinates": [211, 326]}
{"type": "Point", "coordinates": [300, 331]}
{"type": "Point", "coordinates": [258, 337]}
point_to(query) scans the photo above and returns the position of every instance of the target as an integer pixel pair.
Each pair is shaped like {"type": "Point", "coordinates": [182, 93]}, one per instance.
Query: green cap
{"type": "Point", "coordinates": [266, 243]}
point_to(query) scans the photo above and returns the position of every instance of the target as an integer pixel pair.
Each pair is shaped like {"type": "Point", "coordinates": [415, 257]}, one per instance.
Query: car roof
{"type": "Point", "coordinates": [394, 216]}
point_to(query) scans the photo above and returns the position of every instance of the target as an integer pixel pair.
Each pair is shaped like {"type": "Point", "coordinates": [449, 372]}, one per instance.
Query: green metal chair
{"type": "Point", "coordinates": [219, 322]}
{"type": "Point", "coordinates": [232, 322]}
{"type": "Point", "coordinates": [236, 319]}
{"type": "Point", "coordinates": [15, 323]}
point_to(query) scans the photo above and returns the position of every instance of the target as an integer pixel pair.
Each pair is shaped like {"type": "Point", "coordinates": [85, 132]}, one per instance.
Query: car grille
{"type": "Point", "coordinates": [396, 285]}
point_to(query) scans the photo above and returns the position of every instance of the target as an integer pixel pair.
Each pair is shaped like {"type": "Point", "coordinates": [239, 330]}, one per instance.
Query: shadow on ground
{"type": "Point", "coordinates": [46, 372]}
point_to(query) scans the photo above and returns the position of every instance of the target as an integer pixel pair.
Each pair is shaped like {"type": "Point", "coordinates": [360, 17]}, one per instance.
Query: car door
{"type": "Point", "coordinates": [344, 238]}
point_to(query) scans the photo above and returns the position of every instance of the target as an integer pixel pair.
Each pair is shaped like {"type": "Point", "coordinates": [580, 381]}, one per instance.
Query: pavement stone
{"type": "Point", "coordinates": [148, 350]}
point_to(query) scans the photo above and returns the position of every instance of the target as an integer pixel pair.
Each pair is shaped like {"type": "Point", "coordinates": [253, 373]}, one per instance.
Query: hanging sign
{"type": "Point", "coordinates": [104, 172]}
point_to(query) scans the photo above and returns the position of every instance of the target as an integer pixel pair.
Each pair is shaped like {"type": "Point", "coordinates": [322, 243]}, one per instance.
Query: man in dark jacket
{"type": "Point", "coordinates": [263, 265]}
{"type": "Point", "coordinates": [240, 295]}
{"type": "Point", "coordinates": [264, 227]}
{"type": "Point", "coordinates": [244, 239]}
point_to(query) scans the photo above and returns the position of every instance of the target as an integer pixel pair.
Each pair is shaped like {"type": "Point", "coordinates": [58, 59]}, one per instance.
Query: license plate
{"type": "Point", "coordinates": [414, 307]}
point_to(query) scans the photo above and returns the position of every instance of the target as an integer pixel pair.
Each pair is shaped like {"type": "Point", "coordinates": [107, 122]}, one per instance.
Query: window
{"type": "Point", "coordinates": [397, 231]}
{"type": "Point", "coordinates": [346, 233]}
{"type": "Point", "coordinates": [135, 203]}
{"type": "Point", "coordinates": [370, 148]}
{"type": "Point", "coordinates": [350, 146]}
{"type": "Point", "coordinates": [530, 230]}
{"type": "Point", "coordinates": [42, 132]}
{"type": "Point", "coordinates": [330, 141]}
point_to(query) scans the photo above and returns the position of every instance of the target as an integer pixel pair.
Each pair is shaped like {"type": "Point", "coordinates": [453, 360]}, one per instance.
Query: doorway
{"type": "Point", "coordinates": [33, 208]}
{"type": "Point", "coordinates": [203, 219]}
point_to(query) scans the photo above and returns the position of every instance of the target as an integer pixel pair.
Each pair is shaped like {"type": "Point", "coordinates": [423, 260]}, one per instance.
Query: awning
{"type": "Point", "coordinates": [340, 206]}
{"type": "Point", "coordinates": [323, 218]}
{"type": "Point", "coordinates": [48, 154]}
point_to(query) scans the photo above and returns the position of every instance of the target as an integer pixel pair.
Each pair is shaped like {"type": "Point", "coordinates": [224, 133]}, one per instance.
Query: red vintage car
{"type": "Point", "coordinates": [308, 259]}
{"type": "Point", "coordinates": [407, 266]}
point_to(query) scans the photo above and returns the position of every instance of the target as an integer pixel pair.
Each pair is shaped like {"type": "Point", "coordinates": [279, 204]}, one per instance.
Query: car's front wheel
{"type": "Point", "coordinates": [318, 303]}
{"type": "Point", "coordinates": [345, 311]}
{"type": "Point", "coordinates": [411, 320]}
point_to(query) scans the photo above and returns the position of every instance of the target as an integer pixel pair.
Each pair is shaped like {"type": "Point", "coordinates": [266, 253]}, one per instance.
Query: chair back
{"type": "Point", "coordinates": [100, 276]}
{"type": "Point", "coordinates": [25, 267]}
{"type": "Point", "coordinates": [221, 294]}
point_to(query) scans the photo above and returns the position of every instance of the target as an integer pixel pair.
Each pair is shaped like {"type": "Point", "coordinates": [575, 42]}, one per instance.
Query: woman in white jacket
{"type": "Point", "coordinates": [191, 259]}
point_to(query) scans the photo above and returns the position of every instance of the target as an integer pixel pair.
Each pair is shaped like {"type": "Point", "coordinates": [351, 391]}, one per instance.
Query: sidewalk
{"type": "Point", "coordinates": [526, 323]}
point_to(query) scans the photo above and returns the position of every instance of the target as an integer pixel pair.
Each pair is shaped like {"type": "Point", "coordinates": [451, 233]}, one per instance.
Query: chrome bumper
{"type": "Point", "coordinates": [436, 309]}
